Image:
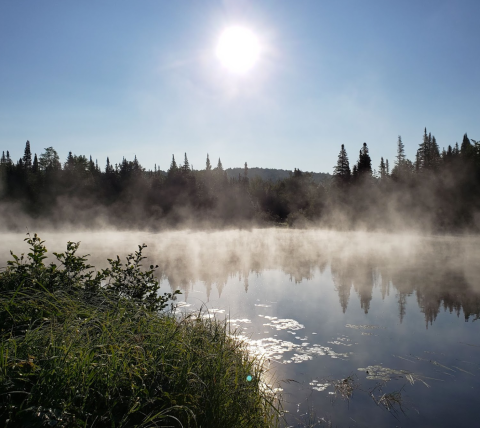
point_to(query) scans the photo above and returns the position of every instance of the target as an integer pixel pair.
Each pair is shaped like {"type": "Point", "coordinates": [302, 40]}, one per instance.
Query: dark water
{"type": "Point", "coordinates": [358, 329]}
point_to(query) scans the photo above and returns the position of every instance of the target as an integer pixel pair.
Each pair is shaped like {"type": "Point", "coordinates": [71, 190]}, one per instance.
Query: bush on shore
{"type": "Point", "coordinates": [103, 349]}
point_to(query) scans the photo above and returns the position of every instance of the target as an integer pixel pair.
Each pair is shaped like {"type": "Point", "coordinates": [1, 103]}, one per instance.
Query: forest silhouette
{"type": "Point", "coordinates": [437, 192]}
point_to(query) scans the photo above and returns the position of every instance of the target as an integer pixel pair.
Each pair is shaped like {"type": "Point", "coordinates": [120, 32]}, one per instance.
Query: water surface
{"type": "Point", "coordinates": [358, 329]}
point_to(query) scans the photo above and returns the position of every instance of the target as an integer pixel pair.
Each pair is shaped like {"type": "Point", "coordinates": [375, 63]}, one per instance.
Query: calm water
{"type": "Point", "coordinates": [360, 329]}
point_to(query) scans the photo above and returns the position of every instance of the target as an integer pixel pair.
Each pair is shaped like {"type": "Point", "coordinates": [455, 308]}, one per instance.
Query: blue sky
{"type": "Point", "coordinates": [123, 78]}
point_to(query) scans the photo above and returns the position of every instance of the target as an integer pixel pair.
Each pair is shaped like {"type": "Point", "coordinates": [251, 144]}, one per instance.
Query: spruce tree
{"type": "Point", "coordinates": [91, 165]}
{"type": "Point", "coordinates": [208, 166]}
{"type": "Point", "coordinates": [35, 163]}
{"type": "Point", "coordinates": [186, 165]}
{"type": "Point", "coordinates": [364, 165]}
{"type": "Point", "coordinates": [400, 158]}
{"type": "Point", "coordinates": [466, 149]}
{"type": "Point", "coordinates": [219, 165]}
{"type": "Point", "coordinates": [3, 160]}
{"type": "Point", "coordinates": [70, 163]}
{"type": "Point", "coordinates": [382, 169]}
{"type": "Point", "coordinates": [27, 156]}
{"type": "Point", "coordinates": [341, 171]}
{"type": "Point", "coordinates": [173, 167]}
{"type": "Point", "coordinates": [108, 167]}
{"type": "Point", "coordinates": [387, 167]}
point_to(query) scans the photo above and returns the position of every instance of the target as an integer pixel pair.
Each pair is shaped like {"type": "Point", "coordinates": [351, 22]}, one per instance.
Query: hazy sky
{"type": "Point", "coordinates": [119, 78]}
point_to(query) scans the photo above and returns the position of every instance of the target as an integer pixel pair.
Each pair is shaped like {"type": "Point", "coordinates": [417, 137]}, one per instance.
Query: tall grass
{"type": "Point", "coordinates": [76, 357]}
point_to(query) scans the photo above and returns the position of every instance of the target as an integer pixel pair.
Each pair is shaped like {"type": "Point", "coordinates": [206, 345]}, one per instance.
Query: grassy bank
{"type": "Point", "coordinates": [81, 348]}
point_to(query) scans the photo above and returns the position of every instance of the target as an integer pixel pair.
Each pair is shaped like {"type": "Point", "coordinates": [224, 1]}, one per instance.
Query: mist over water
{"type": "Point", "coordinates": [389, 312]}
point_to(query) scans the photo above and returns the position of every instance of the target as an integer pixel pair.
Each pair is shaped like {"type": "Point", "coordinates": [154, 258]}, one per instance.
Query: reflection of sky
{"type": "Point", "coordinates": [321, 309]}
{"type": "Point", "coordinates": [303, 331]}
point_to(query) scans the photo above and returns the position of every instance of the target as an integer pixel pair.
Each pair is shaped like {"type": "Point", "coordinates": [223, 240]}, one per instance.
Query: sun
{"type": "Point", "coordinates": [238, 49]}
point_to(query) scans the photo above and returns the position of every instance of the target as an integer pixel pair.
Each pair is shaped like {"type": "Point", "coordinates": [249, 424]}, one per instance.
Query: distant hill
{"type": "Point", "coordinates": [273, 175]}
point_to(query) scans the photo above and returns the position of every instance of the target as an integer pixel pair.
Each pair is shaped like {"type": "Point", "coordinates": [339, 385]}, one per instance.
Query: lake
{"type": "Point", "coordinates": [358, 329]}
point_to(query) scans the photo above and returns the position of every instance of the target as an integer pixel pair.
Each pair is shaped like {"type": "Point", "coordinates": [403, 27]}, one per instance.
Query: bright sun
{"type": "Point", "coordinates": [238, 49]}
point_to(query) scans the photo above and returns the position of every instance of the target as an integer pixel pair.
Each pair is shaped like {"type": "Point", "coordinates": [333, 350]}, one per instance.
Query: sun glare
{"type": "Point", "coordinates": [238, 49]}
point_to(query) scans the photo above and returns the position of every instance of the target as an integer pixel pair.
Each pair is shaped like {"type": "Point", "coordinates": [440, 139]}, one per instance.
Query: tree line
{"type": "Point", "coordinates": [439, 190]}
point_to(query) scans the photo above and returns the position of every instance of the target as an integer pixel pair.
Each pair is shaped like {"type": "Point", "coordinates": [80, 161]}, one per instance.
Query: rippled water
{"type": "Point", "coordinates": [358, 329]}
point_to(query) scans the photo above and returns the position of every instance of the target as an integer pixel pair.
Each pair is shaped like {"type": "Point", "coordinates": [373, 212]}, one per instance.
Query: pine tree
{"type": "Point", "coordinates": [3, 160]}
{"type": "Point", "coordinates": [387, 167]}
{"type": "Point", "coordinates": [9, 161]}
{"type": "Point", "coordinates": [341, 172]}
{"type": "Point", "coordinates": [219, 165]}
{"type": "Point", "coordinates": [27, 156]}
{"type": "Point", "coordinates": [208, 166]}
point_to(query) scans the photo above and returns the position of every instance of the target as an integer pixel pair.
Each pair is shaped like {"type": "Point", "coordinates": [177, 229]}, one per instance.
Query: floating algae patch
{"type": "Point", "coordinates": [269, 347]}
{"type": "Point", "coordinates": [316, 351]}
{"type": "Point", "coordinates": [363, 327]}
{"type": "Point", "coordinates": [272, 348]}
{"type": "Point", "coordinates": [341, 341]}
{"type": "Point", "coordinates": [387, 374]}
{"type": "Point", "coordinates": [318, 386]}
{"type": "Point", "coordinates": [283, 324]}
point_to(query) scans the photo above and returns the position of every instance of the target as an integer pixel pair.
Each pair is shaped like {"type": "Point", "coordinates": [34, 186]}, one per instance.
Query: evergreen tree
{"type": "Point", "coordinates": [382, 169]}
{"type": "Point", "coordinates": [434, 153]}
{"type": "Point", "coordinates": [35, 164]}
{"type": "Point", "coordinates": [27, 156]}
{"type": "Point", "coordinates": [186, 165]}
{"type": "Point", "coordinates": [466, 149]}
{"type": "Point", "coordinates": [428, 153]}
{"type": "Point", "coordinates": [91, 165]}
{"type": "Point", "coordinates": [219, 165]}
{"type": "Point", "coordinates": [173, 167]}
{"type": "Point", "coordinates": [108, 167]}
{"type": "Point", "coordinates": [364, 164]}
{"type": "Point", "coordinates": [387, 167]}
{"type": "Point", "coordinates": [136, 165]}
{"type": "Point", "coordinates": [422, 153]}
{"type": "Point", "coordinates": [3, 160]}
{"type": "Point", "coordinates": [70, 163]}
{"type": "Point", "coordinates": [400, 158]}
{"type": "Point", "coordinates": [456, 151]}
{"type": "Point", "coordinates": [9, 161]}
{"type": "Point", "coordinates": [208, 166]}
{"type": "Point", "coordinates": [341, 172]}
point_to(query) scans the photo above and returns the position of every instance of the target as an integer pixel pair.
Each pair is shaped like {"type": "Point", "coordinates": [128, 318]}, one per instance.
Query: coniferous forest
{"type": "Point", "coordinates": [438, 191]}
